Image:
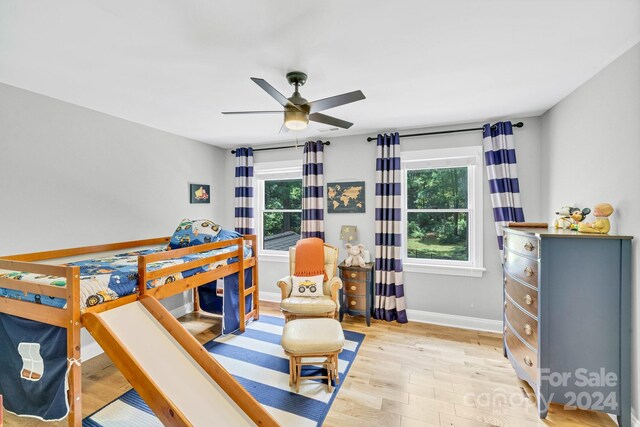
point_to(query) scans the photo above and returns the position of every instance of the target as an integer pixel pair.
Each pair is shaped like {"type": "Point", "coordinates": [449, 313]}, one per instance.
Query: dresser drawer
{"type": "Point", "coordinates": [348, 274]}
{"type": "Point", "coordinates": [522, 323]}
{"type": "Point", "coordinates": [354, 288]}
{"type": "Point", "coordinates": [356, 303]}
{"type": "Point", "coordinates": [522, 268]}
{"type": "Point", "coordinates": [523, 355]}
{"type": "Point", "coordinates": [526, 245]}
{"type": "Point", "coordinates": [524, 296]}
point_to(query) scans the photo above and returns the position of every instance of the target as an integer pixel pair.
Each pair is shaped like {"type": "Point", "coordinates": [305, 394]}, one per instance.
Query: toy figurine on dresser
{"type": "Point", "coordinates": [577, 216]}
{"type": "Point", "coordinates": [563, 218]}
{"type": "Point", "coordinates": [602, 212]}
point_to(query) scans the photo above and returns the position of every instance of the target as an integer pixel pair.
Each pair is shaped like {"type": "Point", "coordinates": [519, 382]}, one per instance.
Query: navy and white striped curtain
{"type": "Point", "coordinates": [244, 191]}
{"type": "Point", "coordinates": [313, 190]}
{"type": "Point", "coordinates": [502, 172]}
{"type": "Point", "coordinates": [389, 298]}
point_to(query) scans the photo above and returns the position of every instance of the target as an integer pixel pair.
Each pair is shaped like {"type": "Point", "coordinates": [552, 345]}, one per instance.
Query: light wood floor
{"type": "Point", "coordinates": [404, 376]}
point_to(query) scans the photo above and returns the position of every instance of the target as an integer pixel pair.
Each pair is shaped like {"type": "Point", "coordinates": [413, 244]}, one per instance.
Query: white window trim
{"type": "Point", "coordinates": [289, 169]}
{"type": "Point", "coordinates": [449, 157]}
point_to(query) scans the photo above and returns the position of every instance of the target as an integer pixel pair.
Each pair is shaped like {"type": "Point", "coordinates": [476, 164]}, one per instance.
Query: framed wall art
{"type": "Point", "coordinates": [345, 197]}
{"type": "Point", "coordinates": [199, 193]}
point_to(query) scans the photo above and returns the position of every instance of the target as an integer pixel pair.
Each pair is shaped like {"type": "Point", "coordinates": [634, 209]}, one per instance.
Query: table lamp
{"type": "Point", "coordinates": [348, 233]}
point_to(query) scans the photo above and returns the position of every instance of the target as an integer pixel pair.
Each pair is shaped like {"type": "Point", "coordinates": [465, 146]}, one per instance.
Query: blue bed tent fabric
{"type": "Point", "coordinates": [45, 397]}
{"type": "Point", "coordinates": [228, 304]}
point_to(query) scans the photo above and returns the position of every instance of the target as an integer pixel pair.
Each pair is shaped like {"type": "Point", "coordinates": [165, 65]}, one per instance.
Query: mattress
{"type": "Point", "coordinates": [112, 277]}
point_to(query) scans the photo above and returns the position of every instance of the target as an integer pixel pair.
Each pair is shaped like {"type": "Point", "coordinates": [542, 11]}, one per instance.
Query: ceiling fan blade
{"type": "Point", "coordinates": [335, 101]}
{"type": "Point", "coordinates": [282, 100]}
{"type": "Point", "coordinates": [284, 129]}
{"type": "Point", "coordinates": [251, 112]}
{"type": "Point", "coordinates": [328, 120]}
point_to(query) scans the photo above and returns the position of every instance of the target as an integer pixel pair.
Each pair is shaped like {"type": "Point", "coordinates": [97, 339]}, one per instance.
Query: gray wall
{"type": "Point", "coordinates": [352, 158]}
{"type": "Point", "coordinates": [70, 176]}
{"type": "Point", "coordinates": [591, 154]}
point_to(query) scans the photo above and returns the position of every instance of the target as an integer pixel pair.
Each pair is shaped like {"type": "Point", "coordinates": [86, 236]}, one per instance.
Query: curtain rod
{"type": "Point", "coordinates": [515, 125]}
{"type": "Point", "coordinates": [282, 148]}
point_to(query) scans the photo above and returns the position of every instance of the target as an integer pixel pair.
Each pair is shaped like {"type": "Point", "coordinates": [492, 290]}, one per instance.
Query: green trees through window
{"type": "Point", "coordinates": [438, 214]}
{"type": "Point", "coordinates": [282, 214]}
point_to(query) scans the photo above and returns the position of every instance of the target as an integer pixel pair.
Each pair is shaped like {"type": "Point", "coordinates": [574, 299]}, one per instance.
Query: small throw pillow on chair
{"type": "Point", "coordinates": [307, 286]}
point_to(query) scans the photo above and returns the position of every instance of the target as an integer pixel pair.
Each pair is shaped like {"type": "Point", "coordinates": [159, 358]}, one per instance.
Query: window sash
{"type": "Point", "coordinates": [444, 159]}
{"type": "Point", "coordinates": [272, 171]}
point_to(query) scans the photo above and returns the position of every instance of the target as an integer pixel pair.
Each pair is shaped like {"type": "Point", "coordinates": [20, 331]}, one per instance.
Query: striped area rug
{"type": "Point", "coordinates": [256, 361]}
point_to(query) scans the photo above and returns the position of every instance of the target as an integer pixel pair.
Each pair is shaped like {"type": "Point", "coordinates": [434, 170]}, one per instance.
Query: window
{"type": "Point", "coordinates": [442, 205]}
{"type": "Point", "coordinates": [279, 206]}
{"type": "Point", "coordinates": [32, 363]}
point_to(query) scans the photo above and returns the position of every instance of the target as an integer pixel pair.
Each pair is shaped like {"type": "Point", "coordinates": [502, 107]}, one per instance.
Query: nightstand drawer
{"type": "Point", "coordinates": [523, 355]}
{"type": "Point", "coordinates": [522, 323]}
{"type": "Point", "coordinates": [354, 288]}
{"type": "Point", "coordinates": [524, 296]}
{"type": "Point", "coordinates": [356, 303]}
{"type": "Point", "coordinates": [348, 274]}
{"type": "Point", "coordinates": [525, 269]}
{"type": "Point", "coordinates": [526, 245]}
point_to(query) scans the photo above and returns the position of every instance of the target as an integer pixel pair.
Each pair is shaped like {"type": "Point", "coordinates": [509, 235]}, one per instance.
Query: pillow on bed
{"type": "Point", "coordinates": [225, 234]}
{"type": "Point", "coordinates": [307, 286]}
{"type": "Point", "coordinates": [194, 232]}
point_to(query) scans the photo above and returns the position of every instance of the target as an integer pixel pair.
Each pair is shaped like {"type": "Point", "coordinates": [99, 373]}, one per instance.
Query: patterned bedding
{"type": "Point", "coordinates": [109, 278]}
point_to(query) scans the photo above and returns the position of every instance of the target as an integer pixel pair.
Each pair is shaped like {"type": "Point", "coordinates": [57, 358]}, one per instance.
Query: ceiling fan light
{"type": "Point", "coordinates": [296, 120]}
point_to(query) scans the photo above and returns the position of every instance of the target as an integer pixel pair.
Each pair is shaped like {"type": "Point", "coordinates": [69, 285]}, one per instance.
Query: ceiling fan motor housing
{"type": "Point", "coordinates": [296, 118]}
{"type": "Point", "coordinates": [296, 78]}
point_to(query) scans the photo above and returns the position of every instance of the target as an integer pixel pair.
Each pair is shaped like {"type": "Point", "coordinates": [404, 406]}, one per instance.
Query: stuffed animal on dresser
{"type": "Point", "coordinates": [356, 255]}
{"type": "Point", "coordinates": [563, 218]}
{"type": "Point", "coordinates": [601, 225]}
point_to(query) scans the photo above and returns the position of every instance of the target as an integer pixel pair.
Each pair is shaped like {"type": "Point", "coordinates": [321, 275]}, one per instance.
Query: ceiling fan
{"type": "Point", "coordinates": [297, 110]}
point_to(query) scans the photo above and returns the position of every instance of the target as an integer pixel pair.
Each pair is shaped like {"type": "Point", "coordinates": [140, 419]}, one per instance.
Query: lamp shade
{"type": "Point", "coordinates": [348, 233]}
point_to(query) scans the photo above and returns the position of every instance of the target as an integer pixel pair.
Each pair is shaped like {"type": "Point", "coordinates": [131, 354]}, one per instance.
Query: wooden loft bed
{"type": "Point", "coordinates": [70, 317]}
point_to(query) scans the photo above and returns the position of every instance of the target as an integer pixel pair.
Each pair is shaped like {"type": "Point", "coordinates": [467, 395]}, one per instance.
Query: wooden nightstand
{"type": "Point", "coordinates": [356, 295]}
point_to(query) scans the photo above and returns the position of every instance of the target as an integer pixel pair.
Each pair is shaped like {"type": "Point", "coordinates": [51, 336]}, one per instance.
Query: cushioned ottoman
{"type": "Point", "coordinates": [312, 338]}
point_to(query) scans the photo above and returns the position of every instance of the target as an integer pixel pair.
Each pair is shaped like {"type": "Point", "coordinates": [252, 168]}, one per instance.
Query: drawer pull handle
{"type": "Point", "coordinates": [528, 361]}
{"type": "Point", "coordinates": [353, 288]}
{"type": "Point", "coordinates": [529, 246]}
{"type": "Point", "coordinates": [528, 300]}
{"type": "Point", "coordinates": [353, 275]}
{"type": "Point", "coordinates": [352, 302]}
{"type": "Point", "coordinates": [528, 271]}
{"type": "Point", "coordinates": [504, 329]}
{"type": "Point", "coordinates": [505, 304]}
{"type": "Point", "coordinates": [527, 329]}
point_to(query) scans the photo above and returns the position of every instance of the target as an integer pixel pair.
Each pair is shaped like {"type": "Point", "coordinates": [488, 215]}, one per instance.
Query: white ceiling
{"type": "Point", "coordinates": [176, 64]}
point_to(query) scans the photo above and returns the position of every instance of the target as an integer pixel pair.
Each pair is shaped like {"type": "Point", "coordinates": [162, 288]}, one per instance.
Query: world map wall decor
{"type": "Point", "coordinates": [345, 197]}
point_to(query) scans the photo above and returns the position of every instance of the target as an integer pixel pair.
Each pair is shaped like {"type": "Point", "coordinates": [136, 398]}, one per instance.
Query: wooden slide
{"type": "Point", "coordinates": [179, 380]}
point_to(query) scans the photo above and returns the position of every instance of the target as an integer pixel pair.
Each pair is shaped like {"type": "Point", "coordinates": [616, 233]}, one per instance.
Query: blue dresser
{"type": "Point", "coordinates": [567, 317]}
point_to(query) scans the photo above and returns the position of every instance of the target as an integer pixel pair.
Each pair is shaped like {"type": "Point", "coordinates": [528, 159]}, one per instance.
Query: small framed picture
{"type": "Point", "coordinates": [199, 193]}
{"type": "Point", "coordinates": [345, 197]}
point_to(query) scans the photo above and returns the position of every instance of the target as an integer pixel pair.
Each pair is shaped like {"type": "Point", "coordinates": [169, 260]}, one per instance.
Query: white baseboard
{"type": "Point", "coordinates": [270, 296]}
{"type": "Point", "coordinates": [420, 316]}
{"type": "Point", "coordinates": [90, 348]}
{"type": "Point", "coordinates": [635, 421]}
{"type": "Point", "coordinates": [182, 310]}
{"type": "Point", "coordinates": [464, 322]}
